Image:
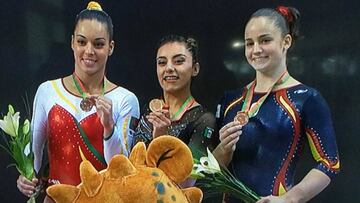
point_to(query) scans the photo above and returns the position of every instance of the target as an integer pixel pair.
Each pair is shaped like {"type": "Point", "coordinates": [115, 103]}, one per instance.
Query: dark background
{"type": "Point", "coordinates": [35, 46]}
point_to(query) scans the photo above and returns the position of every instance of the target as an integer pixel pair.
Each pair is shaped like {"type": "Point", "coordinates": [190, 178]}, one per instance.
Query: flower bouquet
{"type": "Point", "coordinates": [219, 179]}
{"type": "Point", "coordinates": [17, 144]}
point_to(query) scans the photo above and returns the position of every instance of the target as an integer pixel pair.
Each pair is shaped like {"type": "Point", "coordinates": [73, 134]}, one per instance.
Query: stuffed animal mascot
{"type": "Point", "coordinates": [150, 175]}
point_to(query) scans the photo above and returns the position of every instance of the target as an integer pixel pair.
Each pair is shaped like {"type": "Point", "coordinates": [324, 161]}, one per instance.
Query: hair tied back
{"type": "Point", "coordinates": [93, 5]}
{"type": "Point", "coordinates": [285, 11]}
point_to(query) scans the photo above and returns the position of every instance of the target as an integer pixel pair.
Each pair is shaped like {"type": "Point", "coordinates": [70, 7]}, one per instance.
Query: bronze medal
{"type": "Point", "coordinates": [156, 105]}
{"type": "Point", "coordinates": [86, 104]}
{"type": "Point", "coordinates": [242, 118]}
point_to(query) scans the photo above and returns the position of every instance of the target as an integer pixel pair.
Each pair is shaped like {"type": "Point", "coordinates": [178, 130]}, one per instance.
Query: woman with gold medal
{"type": "Point", "coordinates": [177, 113]}
{"type": "Point", "coordinates": [265, 125]}
{"type": "Point", "coordinates": [83, 113]}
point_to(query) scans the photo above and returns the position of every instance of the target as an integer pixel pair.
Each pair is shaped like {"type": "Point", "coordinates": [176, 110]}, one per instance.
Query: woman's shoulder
{"type": "Point", "coordinates": [49, 83]}
{"type": "Point", "coordinates": [120, 92]}
{"type": "Point", "coordinates": [123, 98]}
{"type": "Point", "coordinates": [231, 96]}
{"type": "Point", "coordinates": [302, 89]}
{"type": "Point", "coordinates": [308, 96]}
{"type": "Point", "coordinates": [202, 113]}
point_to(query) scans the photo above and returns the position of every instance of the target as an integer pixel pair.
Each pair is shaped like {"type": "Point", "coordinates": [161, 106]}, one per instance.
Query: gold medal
{"type": "Point", "coordinates": [242, 118]}
{"type": "Point", "coordinates": [156, 105]}
{"type": "Point", "coordinates": [86, 104]}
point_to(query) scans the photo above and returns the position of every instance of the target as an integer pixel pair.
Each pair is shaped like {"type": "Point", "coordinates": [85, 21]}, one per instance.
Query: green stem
{"type": "Point", "coordinates": [228, 184]}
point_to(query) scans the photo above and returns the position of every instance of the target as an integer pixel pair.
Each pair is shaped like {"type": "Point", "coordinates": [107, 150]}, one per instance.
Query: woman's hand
{"type": "Point", "coordinates": [26, 186]}
{"type": "Point", "coordinates": [160, 121]}
{"type": "Point", "coordinates": [229, 136]}
{"type": "Point", "coordinates": [104, 111]}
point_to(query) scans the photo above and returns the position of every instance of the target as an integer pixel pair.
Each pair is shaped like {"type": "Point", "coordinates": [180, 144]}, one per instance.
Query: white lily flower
{"type": "Point", "coordinates": [217, 179]}
{"type": "Point", "coordinates": [208, 164]}
{"type": "Point", "coordinates": [213, 162]}
{"type": "Point", "coordinates": [10, 123]}
{"type": "Point", "coordinates": [196, 171]}
{"type": "Point", "coordinates": [18, 146]}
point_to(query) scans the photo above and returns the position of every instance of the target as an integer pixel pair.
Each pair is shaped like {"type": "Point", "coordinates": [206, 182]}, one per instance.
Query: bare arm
{"type": "Point", "coordinates": [229, 136]}
{"type": "Point", "coordinates": [310, 186]}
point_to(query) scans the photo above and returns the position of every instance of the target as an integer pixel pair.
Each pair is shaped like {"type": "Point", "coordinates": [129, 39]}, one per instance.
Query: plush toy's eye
{"type": "Point", "coordinates": [155, 174]}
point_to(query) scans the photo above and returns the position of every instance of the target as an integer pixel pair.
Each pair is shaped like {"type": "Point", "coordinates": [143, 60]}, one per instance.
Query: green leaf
{"type": "Point", "coordinates": [28, 170]}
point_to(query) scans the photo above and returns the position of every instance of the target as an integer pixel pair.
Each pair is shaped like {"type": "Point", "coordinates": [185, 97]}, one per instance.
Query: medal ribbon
{"type": "Point", "coordinates": [92, 149]}
{"type": "Point", "coordinates": [253, 110]}
{"type": "Point", "coordinates": [183, 108]}
{"type": "Point", "coordinates": [81, 88]}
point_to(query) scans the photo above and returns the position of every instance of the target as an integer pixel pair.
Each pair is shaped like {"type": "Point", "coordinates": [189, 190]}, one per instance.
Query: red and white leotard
{"type": "Point", "coordinates": [55, 124]}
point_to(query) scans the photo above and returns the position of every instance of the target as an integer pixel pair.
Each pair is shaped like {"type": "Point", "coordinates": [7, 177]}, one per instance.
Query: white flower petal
{"type": "Point", "coordinates": [198, 168]}
{"type": "Point", "coordinates": [10, 123]}
{"type": "Point", "coordinates": [6, 126]}
{"type": "Point", "coordinates": [27, 149]}
{"type": "Point", "coordinates": [212, 160]}
{"type": "Point", "coordinates": [204, 161]}
{"type": "Point", "coordinates": [15, 121]}
{"type": "Point", "coordinates": [208, 168]}
{"type": "Point", "coordinates": [2, 125]}
{"type": "Point", "coordinates": [11, 109]}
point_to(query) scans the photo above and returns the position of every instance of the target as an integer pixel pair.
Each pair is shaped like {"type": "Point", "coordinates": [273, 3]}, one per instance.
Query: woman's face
{"type": "Point", "coordinates": [91, 47]}
{"type": "Point", "coordinates": [265, 48]}
{"type": "Point", "coordinates": [175, 67]}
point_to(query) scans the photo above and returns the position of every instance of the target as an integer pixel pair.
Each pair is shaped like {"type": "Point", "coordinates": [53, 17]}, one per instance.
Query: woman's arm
{"type": "Point", "coordinates": [124, 113]}
{"type": "Point", "coordinates": [38, 130]}
{"type": "Point", "coordinates": [228, 135]}
{"type": "Point", "coordinates": [39, 124]}
{"type": "Point", "coordinates": [321, 137]}
{"type": "Point", "coordinates": [311, 185]}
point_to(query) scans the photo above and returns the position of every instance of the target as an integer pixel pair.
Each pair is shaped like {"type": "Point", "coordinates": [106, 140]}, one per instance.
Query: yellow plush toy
{"type": "Point", "coordinates": [148, 175]}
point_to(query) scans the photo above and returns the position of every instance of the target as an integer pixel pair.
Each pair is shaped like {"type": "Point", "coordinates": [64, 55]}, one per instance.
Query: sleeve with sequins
{"type": "Point", "coordinates": [143, 131]}
{"type": "Point", "coordinates": [39, 125]}
{"type": "Point", "coordinates": [320, 134]}
{"type": "Point", "coordinates": [126, 113]}
{"type": "Point", "coordinates": [204, 130]}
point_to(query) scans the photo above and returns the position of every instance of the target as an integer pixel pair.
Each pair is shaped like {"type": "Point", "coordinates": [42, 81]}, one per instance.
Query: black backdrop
{"type": "Point", "coordinates": [35, 46]}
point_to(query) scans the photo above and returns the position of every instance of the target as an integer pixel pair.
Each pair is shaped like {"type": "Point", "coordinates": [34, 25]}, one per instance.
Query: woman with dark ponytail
{"type": "Point", "coordinates": [265, 125]}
